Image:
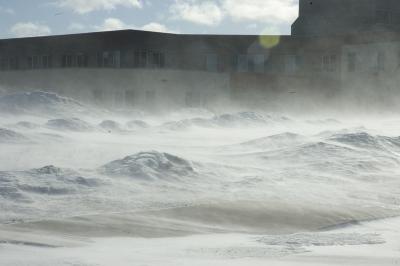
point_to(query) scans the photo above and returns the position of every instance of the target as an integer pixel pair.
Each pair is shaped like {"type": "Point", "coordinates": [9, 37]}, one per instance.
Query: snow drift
{"type": "Point", "coordinates": [151, 165]}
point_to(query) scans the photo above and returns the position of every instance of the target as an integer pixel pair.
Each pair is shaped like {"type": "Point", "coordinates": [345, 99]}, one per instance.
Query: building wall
{"type": "Point", "coordinates": [126, 88]}
{"type": "Point", "coordinates": [332, 17]}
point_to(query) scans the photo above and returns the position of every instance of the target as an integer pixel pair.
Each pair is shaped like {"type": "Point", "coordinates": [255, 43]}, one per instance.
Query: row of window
{"type": "Point", "coordinates": [243, 63]}
{"type": "Point", "coordinates": [107, 59]}
{"type": "Point", "coordinates": [330, 62]}
{"type": "Point", "coordinates": [379, 61]}
{"type": "Point", "coordinates": [11, 63]}
{"type": "Point", "coordinates": [387, 17]}
{"type": "Point", "coordinates": [152, 59]}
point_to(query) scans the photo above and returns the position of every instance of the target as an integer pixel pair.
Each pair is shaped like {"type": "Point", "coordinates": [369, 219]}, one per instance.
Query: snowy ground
{"type": "Point", "coordinates": [193, 187]}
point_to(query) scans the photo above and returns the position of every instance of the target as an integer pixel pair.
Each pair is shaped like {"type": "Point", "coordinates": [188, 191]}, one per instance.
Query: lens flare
{"type": "Point", "coordinates": [269, 41]}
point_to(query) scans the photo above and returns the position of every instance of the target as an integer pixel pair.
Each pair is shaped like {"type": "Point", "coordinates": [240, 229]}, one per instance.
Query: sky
{"type": "Point", "coordinates": [23, 18]}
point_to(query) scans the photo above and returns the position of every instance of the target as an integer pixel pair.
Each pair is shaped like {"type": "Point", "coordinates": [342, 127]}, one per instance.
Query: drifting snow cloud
{"type": "Point", "coordinates": [87, 6]}
{"type": "Point", "coordinates": [30, 29]}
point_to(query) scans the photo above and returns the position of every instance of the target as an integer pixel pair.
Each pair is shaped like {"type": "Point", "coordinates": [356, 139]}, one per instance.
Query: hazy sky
{"type": "Point", "coordinates": [20, 18]}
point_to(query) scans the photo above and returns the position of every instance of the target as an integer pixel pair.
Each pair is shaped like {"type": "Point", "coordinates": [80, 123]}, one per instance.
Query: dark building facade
{"type": "Point", "coordinates": [336, 17]}
{"type": "Point", "coordinates": [330, 41]}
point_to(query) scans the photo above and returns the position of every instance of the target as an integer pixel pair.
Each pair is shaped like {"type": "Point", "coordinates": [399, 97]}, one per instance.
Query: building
{"type": "Point", "coordinates": [335, 45]}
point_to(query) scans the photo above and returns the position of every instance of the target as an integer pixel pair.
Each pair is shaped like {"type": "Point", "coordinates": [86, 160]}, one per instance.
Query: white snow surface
{"type": "Point", "coordinates": [193, 187]}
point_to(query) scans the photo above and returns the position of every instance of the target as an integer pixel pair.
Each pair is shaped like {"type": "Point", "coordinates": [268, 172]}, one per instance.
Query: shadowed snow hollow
{"type": "Point", "coordinates": [150, 166]}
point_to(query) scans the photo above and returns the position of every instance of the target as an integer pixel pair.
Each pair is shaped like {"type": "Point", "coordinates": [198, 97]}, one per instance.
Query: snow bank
{"type": "Point", "coordinates": [110, 125]}
{"type": "Point", "coordinates": [235, 120]}
{"type": "Point", "coordinates": [48, 180]}
{"type": "Point", "coordinates": [39, 103]}
{"type": "Point", "coordinates": [149, 166]}
{"type": "Point", "coordinates": [71, 124]}
{"type": "Point", "coordinates": [137, 124]}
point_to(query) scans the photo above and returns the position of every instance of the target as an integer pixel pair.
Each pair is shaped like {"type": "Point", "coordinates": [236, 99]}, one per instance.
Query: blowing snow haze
{"type": "Point", "coordinates": [133, 147]}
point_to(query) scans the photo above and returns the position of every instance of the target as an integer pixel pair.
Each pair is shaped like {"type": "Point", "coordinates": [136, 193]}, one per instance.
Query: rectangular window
{"type": "Point", "coordinates": [329, 63]}
{"type": "Point", "coordinates": [67, 61]}
{"type": "Point", "coordinates": [155, 59]}
{"type": "Point", "coordinates": [82, 60]}
{"type": "Point", "coordinates": [351, 62]}
{"type": "Point", "coordinates": [33, 62]}
{"type": "Point", "coordinates": [110, 59]}
{"type": "Point", "coordinates": [144, 58]}
{"type": "Point", "coordinates": [115, 59]}
{"type": "Point", "coordinates": [46, 61]}
{"type": "Point", "coordinates": [105, 59]}
{"type": "Point", "coordinates": [384, 17]}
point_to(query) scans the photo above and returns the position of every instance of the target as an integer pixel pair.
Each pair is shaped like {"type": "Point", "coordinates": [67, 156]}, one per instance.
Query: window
{"type": "Point", "coordinates": [46, 61]}
{"type": "Point", "coordinates": [82, 60]}
{"type": "Point", "coordinates": [144, 58]}
{"type": "Point", "coordinates": [384, 17]}
{"type": "Point", "coordinates": [67, 61]}
{"type": "Point", "coordinates": [329, 63]}
{"type": "Point", "coordinates": [14, 63]}
{"type": "Point", "coordinates": [33, 62]}
{"type": "Point", "coordinates": [140, 58]}
{"type": "Point", "coordinates": [351, 62]}
{"type": "Point", "coordinates": [158, 60]}
{"type": "Point", "coordinates": [155, 59]}
{"type": "Point", "coordinates": [212, 62]}
{"type": "Point", "coordinates": [109, 59]}
{"type": "Point", "coordinates": [115, 59]}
